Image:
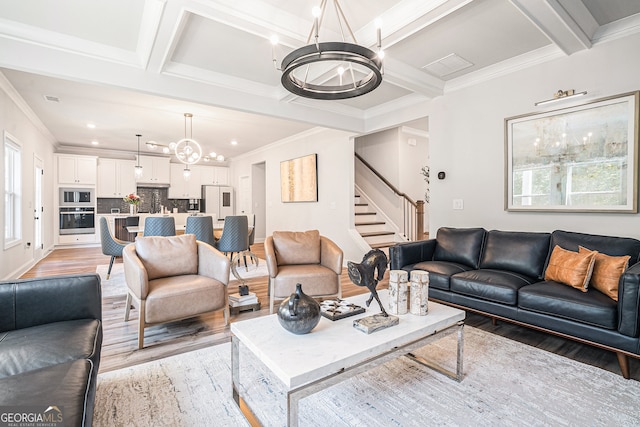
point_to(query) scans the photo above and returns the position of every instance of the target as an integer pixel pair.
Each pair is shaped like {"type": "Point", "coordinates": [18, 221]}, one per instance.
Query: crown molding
{"type": "Point", "coordinates": [7, 87]}
{"type": "Point", "coordinates": [521, 62]}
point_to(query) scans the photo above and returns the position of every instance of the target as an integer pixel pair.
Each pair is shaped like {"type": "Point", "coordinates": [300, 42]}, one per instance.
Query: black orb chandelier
{"type": "Point", "coordinates": [358, 69]}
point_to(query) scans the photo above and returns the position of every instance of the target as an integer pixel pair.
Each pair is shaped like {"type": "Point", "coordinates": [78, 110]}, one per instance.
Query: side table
{"type": "Point", "coordinates": [240, 308]}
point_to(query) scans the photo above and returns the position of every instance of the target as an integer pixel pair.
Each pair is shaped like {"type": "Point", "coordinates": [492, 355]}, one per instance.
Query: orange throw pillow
{"type": "Point", "coordinates": [607, 271]}
{"type": "Point", "coordinates": [571, 268]}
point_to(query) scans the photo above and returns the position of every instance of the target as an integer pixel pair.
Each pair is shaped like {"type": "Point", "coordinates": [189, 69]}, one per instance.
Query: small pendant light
{"type": "Point", "coordinates": [138, 172]}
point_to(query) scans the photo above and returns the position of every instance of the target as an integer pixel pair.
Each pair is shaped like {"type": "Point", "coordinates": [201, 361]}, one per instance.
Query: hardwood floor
{"type": "Point", "coordinates": [120, 338]}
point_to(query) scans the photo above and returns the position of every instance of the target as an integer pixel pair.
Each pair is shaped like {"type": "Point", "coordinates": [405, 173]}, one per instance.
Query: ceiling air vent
{"type": "Point", "coordinates": [447, 65]}
{"type": "Point", "coordinates": [52, 98]}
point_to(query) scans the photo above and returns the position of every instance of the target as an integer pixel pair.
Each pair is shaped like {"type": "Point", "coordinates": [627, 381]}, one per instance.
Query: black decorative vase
{"type": "Point", "coordinates": [299, 313]}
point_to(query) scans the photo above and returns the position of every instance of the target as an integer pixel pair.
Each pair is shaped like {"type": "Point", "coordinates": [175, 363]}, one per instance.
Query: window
{"type": "Point", "coordinates": [12, 191]}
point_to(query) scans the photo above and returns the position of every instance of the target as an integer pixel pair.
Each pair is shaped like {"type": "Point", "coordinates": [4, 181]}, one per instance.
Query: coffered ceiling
{"type": "Point", "coordinates": [135, 66]}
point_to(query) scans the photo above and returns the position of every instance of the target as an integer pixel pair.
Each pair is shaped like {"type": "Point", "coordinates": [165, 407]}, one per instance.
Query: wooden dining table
{"type": "Point", "coordinates": [217, 230]}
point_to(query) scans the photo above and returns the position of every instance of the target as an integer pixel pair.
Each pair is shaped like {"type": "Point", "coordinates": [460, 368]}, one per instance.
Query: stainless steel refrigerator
{"type": "Point", "coordinates": [218, 200]}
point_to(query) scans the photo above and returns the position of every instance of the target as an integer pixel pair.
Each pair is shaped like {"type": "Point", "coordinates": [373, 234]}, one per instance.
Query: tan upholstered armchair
{"type": "Point", "coordinates": [174, 278]}
{"type": "Point", "coordinates": [302, 257]}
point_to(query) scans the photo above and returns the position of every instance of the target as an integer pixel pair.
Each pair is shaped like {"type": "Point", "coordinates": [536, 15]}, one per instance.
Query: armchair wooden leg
{"type": "Point", "coordinates": [141, 321]}
{"type": "Point", "coordinates": [127, 307]}
{"type": "Point", "coordinates": [226, 315]}
{"type": "Point", "coordinates": [270, 291]}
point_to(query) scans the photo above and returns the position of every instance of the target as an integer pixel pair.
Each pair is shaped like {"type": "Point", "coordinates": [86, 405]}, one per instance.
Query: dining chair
{"type": "Point", "coordinates": [202, 227]}
{"type": "Point", "coordinates": [251, 220]}
{"type": "Point", "coordinates": [110, 245]}
{"type": "Point", "coordinates": [235, 235]}
{"type": "Point", "coordinates": [159, 226]}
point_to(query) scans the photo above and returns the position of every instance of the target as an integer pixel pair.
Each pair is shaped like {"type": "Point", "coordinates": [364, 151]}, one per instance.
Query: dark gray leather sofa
{"type": "Point", "coordinates": [50, 341]}
{"type": "Point", "coordinates": [500, 274]}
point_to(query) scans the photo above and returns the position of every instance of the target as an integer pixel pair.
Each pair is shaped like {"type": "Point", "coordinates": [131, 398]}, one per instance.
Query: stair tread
{"type": "Point", "coordinates": [377, 233]}
{"type": "Point", "coordinates": [365, 213]}
{"type": "Point", "coordinates": [362, 204]}
{"type": "Point", "coordinates": [382, 245]}
{"type": "Point", "coordinates": [371, 223]}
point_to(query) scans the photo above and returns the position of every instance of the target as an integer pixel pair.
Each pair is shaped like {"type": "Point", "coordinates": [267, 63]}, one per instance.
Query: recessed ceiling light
{"type": "Point", "coordinates": [94, 143]}
{"type": "Point", "coordinates": [91, 126]}
{"type": "Point", "coordinates": [234, 142]}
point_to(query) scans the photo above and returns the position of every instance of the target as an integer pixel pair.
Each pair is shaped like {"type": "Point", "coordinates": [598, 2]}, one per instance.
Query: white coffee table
{"type": "Point", "coordinates": [302, 365]}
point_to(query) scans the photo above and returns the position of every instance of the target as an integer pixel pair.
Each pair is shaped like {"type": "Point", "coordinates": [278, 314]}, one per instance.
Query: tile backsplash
{"type": "Point", "coordinates": [152, 199]}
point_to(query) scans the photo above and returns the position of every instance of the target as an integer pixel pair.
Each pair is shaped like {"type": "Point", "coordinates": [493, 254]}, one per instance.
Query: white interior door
{"type": "Point", "coordinates": [38, 209]}
{"type": "Point", "coordinates": [244, 196]}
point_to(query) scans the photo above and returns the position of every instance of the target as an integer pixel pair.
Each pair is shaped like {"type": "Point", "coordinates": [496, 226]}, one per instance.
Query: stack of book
{"type": "Point", "coordinates": [237, 300]}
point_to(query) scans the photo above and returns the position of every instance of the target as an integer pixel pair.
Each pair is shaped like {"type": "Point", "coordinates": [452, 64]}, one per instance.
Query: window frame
{"type": "Point", "coordinates": [12, 160]}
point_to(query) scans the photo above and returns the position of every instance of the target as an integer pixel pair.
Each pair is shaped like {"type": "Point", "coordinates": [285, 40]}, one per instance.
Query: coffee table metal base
{"type": "Point", "coordinates": [294, 395]}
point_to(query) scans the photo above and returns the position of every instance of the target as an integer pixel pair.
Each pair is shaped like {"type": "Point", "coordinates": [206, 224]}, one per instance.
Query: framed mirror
{"type": "Point", "coordinates": [576, 159]}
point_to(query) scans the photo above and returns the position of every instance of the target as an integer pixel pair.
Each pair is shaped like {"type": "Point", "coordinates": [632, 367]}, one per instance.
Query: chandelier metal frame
{"type": "Point", "coordinates": [346, 52]}
{"type": "Point", "coordinates": [187, 150]}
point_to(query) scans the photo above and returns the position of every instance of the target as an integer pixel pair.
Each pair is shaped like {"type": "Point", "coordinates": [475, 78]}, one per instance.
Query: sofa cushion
{"type": "Point", "coordinates": [459, 245]}
{"type": "Point", "coordinates": [440, 272]}
{"type": "Point", "coordinates": [614, 246]}
{"type": "Point", "coordinates": [37, 347]}
{"type": "Point", "coordinates": [492, 285]}
{"type": "Point", "coordinates": [296, 247]}
{"type": "Point", "coordinates": [168, 256]}
{"type": "Point", "coordinates": [606, 272]}
{"type": "Point", "coordinates": [520, 252]}
{"type": "Point", "coordinates": [570, 268]}
{"type": "Point", "coordinates": [555, 299]}
{"type": "Point", "coordinates": [69, 386]}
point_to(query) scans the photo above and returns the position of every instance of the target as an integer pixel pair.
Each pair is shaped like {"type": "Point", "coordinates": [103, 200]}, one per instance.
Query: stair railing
{"type": "Point", "coordinates": [412, 211]}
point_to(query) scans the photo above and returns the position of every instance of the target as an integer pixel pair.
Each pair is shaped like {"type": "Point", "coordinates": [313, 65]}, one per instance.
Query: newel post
{"type": "Point", "coordinates": [420, 219]}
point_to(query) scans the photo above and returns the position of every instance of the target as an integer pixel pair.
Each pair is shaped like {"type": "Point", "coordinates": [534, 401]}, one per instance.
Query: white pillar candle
{"type": "Point", "coordinates": [419, 292]}
{"type": "Point", "coordinates": [398, 292]}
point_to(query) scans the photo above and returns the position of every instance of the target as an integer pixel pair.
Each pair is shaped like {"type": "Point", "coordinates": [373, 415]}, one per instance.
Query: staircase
{"type": "Point", "coordinates": [375, 231]}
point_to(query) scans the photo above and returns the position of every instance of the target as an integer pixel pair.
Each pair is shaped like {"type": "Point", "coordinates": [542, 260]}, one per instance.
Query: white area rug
{"type": "Point", "coordinates": [506, 384]}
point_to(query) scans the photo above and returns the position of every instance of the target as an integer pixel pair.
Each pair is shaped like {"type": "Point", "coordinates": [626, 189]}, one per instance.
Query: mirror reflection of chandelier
{"type": "Point", "coordinates": [187, 150]}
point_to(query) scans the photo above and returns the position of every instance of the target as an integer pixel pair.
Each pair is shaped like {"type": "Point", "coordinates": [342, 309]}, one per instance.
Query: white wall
{"type": "Point", "coordinates": [467, 139]}
{"type": "Point", "coordinates": [17, 259]}
{"type": "Point", "coordinates": [332, 215]}
{"type": "Point", "coordinates": [390, 153]}
{"type": "Point", "coordinates": [381, 150]}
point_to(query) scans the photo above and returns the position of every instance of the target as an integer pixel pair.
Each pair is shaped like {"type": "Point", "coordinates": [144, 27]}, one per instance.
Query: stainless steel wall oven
{"type": "Point", "coordinates": [77, 220]}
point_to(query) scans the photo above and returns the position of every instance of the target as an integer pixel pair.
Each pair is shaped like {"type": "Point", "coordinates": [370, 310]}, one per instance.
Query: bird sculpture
{"type": "Point", "coordinates": [363, 274]}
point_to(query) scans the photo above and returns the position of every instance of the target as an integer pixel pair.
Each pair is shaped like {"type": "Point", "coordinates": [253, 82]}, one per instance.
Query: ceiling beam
{"type": "Point", "coordinates": [555, 22]}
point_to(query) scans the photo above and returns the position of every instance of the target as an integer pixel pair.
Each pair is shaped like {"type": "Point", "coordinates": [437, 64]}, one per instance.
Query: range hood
{"type": "Point", "coordinates": [150, 185]}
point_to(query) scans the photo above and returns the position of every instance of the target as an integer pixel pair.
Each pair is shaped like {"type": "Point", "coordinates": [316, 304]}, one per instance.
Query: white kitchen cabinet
{"type": "Point", "coordinates": [116, 178]}
{"type": "Point", "coordinates": [181, 188]}
{"type": "Point", "coordinates": [215, 175]}
{"type": "Point", "coordinates": [76, 170]}
{"type": "Point", "coordinates": [77, 239]}
{"type": "Point", "coordinates": [155, 170]}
